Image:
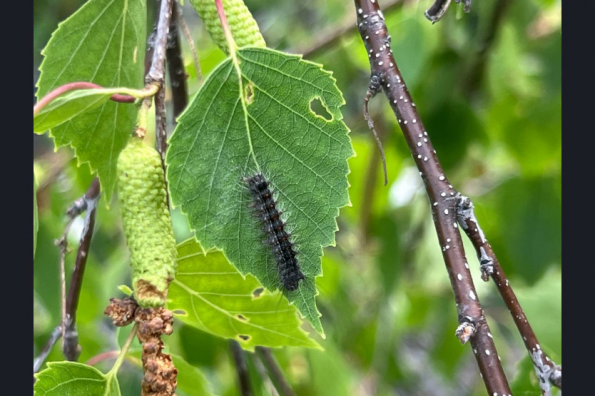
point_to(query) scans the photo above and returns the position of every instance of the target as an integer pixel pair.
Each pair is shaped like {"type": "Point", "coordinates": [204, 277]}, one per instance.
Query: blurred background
{"type": "Point", "coordinates": [488, 87]}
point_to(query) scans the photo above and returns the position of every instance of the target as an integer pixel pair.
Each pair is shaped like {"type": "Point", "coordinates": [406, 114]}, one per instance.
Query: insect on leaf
{"type": "Point", "coordinates": [263, 122]}
{"type": "Point", "coordinates": [103, 43]}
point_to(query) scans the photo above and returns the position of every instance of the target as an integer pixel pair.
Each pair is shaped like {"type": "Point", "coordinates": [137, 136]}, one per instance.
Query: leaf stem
{"type": "Point", "coordinates": [127, 95]}
{"type": "Point", "coordinates": [226, 29]}
{"type": "Point", "coordinates": [124, 350]}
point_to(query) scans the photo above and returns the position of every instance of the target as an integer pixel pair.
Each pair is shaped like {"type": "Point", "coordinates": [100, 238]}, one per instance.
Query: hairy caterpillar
{"type": "Point", "coordinates": [277, 237]}
{"type": "Point", "coordinates": [147, 222]}
{"type": "Point", "coordinates": [243, 26]}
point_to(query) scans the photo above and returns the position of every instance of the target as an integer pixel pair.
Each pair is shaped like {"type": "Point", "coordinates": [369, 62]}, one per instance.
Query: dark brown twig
{"type": "Point", "coordinates": [156, 72]}
{"type": "Point", "coordinates": [67, 328]}
{"type": "Point", "coordinates": [175, 65]}
{"type": "Point", "coordinates": [188, 35]}
{"type": "Point", "coordinates": [473, 325]}
{"type": "Point", "coordinates": [70, 347]}
{"type": "Point", "coordinates": [275, 371]}
{"type": "Point", "coordinates": [547, 371]}
{"type": "Point", "coordinates": [157, 51]}
{"type": "Point", "coordinates": [439, 8]}
{"type": "Point", "coordinates": [474, 76]}
{"type": "Point", "coordinates": [54, 337]}
{"type": "Point", "coordinates": [241, 368]}
{"type": "Point", "coordinates": [330, 39]}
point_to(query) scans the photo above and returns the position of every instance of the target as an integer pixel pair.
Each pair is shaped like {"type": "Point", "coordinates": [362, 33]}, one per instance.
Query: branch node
{"type": "Point", "coordinates": [486, 265]}
{"type": "Point", "coordinates": [439, 8]}
{"type": "Point", "coordinates": [466, 329]}
{"type": "Point", "coordinates": [78, 207]}
{"type": "Point", "coordinates": [466, 4]}
{"type": "Point", "coordinates": [556, 376]}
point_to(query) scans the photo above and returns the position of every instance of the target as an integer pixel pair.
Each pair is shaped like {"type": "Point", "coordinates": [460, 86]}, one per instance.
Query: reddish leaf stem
{"type": "Point", "coordinates": [72, 87]}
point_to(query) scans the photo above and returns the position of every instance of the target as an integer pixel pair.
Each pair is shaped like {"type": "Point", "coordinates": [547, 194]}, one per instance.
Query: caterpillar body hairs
{"type": "Point", "coordinates": [278, 238]}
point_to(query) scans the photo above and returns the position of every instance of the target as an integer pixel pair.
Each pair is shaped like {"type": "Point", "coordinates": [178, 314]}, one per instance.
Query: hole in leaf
{"type": "Point", "coordinates": [320, 110]}
{"type": "Point", "coordinates": [257, 292]}
{"type": "Point", "coordinates": [241, 317]}
{"type": "Point", "coordinates": [243, 337]}
{"type": "Point", "coordinates": [249, 93]}
{"type": "Point", "coordinates": [180, 312]}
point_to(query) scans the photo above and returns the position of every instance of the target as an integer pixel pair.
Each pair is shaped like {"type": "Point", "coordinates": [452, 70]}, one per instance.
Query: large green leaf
{"type": "Point", "coordinates": [104, 43]}
{"type": "Point", "coordinates": [210, 294]}
{"type": "Point", "coordinates": [263, 123]}
{"type": "Point", "coordinates": [74, 379]}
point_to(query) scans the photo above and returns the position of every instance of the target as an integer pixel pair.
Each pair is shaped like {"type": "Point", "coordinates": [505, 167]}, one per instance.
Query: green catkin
{"type": "Point", "coordinates": [147, 222]}
{"type": "Point", "coordinates": [244, 28]}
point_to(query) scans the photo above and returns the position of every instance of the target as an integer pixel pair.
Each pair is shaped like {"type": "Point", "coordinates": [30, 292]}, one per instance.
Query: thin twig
{"type": "Point", "coordinates": [264, 375]}
{"type": "Point", "coordinates": [156, 75]}
{"type": "Point", "coordinates": [54, 337]}
{"type": "Point", "coordinates": [175, 65]}
{"type": "Point", "coordinates": [331, 38]}
{"type": "Point", "coordinates": [241, 368]}
{"type": "Point", "coordinates": [547, 371]}
{"type": "Point", "coordinates": [70, 346]}
{"type": "Point", "coordinates": [439, 8]}
{"type": "Point", "coordinates": [475, 74]}
{"type": "Point", "coordinates": [373, 31]}
{"type": "Point", "coordinates": [275, 371]}
{"type": "Point", "coordinates": [368, 194]}
{"type": "Point", "coordinates": [156, 72]}
{"type": "Point", "coordinates": [190, 42]}
{"type": "Point", "coordinates": [373, 89]}
{"type": "Point", "coordinates": [62, 244]}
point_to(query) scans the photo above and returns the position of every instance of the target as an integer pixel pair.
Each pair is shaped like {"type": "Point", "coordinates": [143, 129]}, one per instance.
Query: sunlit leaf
{"type": "Point", "coordinates": [210, 294]}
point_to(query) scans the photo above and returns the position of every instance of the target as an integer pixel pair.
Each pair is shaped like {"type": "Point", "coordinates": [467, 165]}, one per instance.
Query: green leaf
{"type": "Point", "coordinates": [211, 295]}
{"type": "Point", "coordinates": [104, 43]}
{"type": "Point", "coordinates": [74, 379]}
{"type": "Point", "coordinates": [35, 220]}
{"type": "Point", "coordinates": [263, 123]}
{"type": "Point", "coordinates": [190, 379]}
{"type": "Point", "coordinates": [70, 105]}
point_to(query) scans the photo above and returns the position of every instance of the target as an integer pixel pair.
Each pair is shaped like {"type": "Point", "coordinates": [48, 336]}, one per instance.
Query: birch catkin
{"type": "Point", "coordinates": [244, 28]}
{"type": "Point", "coordinates": [147, 222]}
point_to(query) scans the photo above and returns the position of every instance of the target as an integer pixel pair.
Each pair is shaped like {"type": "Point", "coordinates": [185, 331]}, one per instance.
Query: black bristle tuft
{"type": "Point", "coordinates": [284, 251]}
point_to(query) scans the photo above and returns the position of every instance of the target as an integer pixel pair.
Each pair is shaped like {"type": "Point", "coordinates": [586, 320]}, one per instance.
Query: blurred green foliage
{"type": "Point", "coordinates": [493, 111]}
